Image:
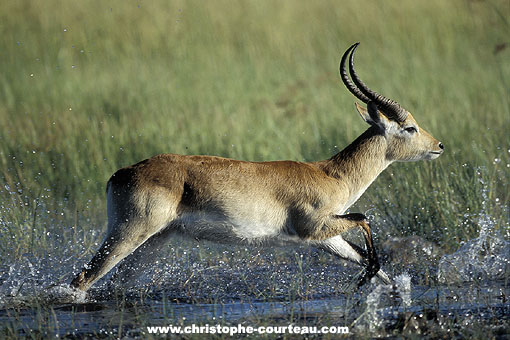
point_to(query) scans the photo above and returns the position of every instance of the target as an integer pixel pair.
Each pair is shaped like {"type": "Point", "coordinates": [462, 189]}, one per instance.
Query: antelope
{"type": "Point", "coordinates": [240, 202]}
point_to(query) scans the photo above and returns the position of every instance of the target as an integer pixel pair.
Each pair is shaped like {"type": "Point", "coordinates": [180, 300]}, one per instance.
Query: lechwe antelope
{"type": "Point", "coordinates": [231, 201]}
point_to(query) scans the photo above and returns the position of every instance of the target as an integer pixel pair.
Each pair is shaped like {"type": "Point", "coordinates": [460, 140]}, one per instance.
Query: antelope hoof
{"type": "Point", "coordinates": [79, 282]}
{"type": "Point", "coordinates": [371, 270]}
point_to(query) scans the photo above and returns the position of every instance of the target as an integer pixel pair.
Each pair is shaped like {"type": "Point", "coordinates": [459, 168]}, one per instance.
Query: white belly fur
{"type": "Point", "coordinates": [221, 229]}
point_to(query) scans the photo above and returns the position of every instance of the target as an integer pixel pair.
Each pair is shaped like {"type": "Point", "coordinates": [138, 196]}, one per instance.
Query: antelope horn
{"type": "Point", "coordinates": [390, 108]}
{"type": "Point", "coordinates": [347, 82]}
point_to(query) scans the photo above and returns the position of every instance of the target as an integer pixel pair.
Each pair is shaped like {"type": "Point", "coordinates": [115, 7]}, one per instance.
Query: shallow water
{"type": "Point", "coordinates": [378, 310]}
{"type": "Point", "coordinates": [464, 294]}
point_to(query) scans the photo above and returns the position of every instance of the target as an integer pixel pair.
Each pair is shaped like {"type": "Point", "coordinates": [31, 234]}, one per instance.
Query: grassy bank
{"type": "Point", "coordinates": [86, 88]}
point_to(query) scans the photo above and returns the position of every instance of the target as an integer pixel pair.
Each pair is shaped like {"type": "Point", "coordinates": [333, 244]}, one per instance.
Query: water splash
{"type": "Point", "coordinates": [63, 293]}
{"type": "Point", "coordinates": [30, 282]}
{"type": "Point", "coordinates": [403, 286]}
{"type": "Point", "coordinates": [484, 258]}
{"type": "Point", "coordinates": [384, 304]}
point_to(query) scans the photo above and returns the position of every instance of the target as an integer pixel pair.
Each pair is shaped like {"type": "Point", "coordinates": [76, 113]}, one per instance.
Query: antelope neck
{"type": "Point", "coordinates": [359, 164]}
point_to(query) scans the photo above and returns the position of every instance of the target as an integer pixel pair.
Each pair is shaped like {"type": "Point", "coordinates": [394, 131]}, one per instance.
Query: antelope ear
{"type": "Point", "coordinates": [372, 115]}
{"type": "Point", "coordinates": [368, 115]}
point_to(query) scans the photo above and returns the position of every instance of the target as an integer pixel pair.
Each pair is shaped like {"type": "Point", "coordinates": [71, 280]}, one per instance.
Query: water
{"type": "Point", "coordinates": [466, 292]}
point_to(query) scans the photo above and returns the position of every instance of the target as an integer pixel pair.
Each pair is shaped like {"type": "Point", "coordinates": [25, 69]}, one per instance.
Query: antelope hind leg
{"type": "Point", "coordinates": [142, 258]}
{"type": "Point", "coordinates": [122, 240]}
{"type": "Point", "coordinates": [111, 252]}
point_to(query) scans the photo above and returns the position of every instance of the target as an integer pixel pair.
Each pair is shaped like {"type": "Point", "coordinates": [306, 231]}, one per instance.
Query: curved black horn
{"type": "Point", "coordinates": [345, 78]}
{"type": "Point", "coordinates": [389, 107]}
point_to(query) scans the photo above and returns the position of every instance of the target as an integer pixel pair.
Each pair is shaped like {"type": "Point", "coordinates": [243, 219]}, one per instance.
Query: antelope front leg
{"type": "Point", "coordinates": [330, 240]}
{"type": "Point", "coordinates": [373, 265]}
{"type": "Point", "coordinates": [373, 262]}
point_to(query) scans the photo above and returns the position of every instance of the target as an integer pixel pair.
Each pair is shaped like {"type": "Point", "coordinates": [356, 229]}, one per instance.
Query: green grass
{"type": "Point", "coordinates": [88, 87]}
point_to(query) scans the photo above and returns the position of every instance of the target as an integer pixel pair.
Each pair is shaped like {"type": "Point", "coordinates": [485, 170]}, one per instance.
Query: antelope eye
{"type": "Point", "coordinates": [411, 129]}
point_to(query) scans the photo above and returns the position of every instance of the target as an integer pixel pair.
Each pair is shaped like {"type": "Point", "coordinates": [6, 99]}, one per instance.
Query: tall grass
{"type": "Point", "coordinates": [88, 87]}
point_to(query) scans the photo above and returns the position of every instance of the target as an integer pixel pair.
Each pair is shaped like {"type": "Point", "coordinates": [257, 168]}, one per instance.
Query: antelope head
{"type": "Point", "coordinates": [405, 140]}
